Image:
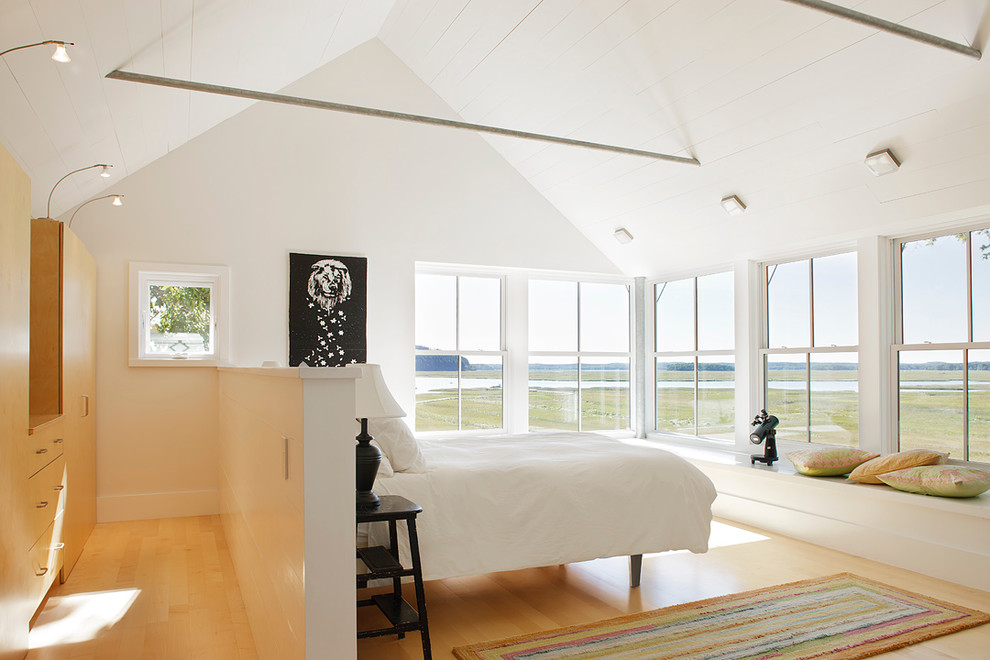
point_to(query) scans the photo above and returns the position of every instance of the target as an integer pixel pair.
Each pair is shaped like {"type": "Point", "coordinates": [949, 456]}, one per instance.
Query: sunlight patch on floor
{"type": "Point", "coordinates": [723, 535]}
{"type": "Point", "coordinates": [80, 617]}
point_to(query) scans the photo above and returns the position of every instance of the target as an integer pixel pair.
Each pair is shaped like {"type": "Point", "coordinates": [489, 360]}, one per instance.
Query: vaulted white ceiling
{"type": "Point", "coordinates": [779, 102]}
{"type": "Point", "coordinates": [57, 118]}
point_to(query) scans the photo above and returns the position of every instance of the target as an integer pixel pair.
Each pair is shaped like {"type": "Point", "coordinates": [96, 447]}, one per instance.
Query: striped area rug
{"type": "Point", "coordinates": [841, 616]}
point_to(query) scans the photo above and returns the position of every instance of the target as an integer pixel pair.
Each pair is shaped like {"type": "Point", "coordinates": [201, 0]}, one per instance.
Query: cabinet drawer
{"type": "Point", "coordinates": [45, 445]}
{"type": "Point", "coordinates": [45, 561]}
{"type": "Point", "coordinates": [47, 489]}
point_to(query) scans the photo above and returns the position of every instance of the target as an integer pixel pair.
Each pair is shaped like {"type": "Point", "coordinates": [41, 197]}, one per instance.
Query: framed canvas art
{"type": "Point", "coordinates": [328, 300]}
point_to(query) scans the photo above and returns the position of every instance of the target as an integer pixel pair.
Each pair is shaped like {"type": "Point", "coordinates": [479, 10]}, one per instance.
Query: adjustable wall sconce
{"type": "Point", "coordinates": [116, 202]}
{"type": "Point", "coordinates": [60, 54]}
{"type": "Point", "coordinates": [104, 172]}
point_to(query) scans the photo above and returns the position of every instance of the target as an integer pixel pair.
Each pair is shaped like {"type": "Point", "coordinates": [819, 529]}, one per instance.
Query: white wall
{"type": "Point", "coordinates": [276, 179]}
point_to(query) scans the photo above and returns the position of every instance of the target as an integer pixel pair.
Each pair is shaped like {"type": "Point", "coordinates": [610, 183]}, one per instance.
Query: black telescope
{"type": "Point", "coordinates": [764, 432]}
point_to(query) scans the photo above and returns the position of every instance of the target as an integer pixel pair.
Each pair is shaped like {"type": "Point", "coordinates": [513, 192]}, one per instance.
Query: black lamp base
{"type": "Point", "coordinates": [367, 459]}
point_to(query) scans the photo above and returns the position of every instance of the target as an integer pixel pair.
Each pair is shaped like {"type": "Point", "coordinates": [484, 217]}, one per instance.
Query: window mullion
{"type": "Point", "coordinates": [811, 302]}
{"type": "Point", "coordinates": [965, 388]}
{"type": "Point", "coordinates": [969, 330]}
{"type": "Point", "coordinates": [807, 384]}
{"type": "Point", "coordinates": [697, 408]}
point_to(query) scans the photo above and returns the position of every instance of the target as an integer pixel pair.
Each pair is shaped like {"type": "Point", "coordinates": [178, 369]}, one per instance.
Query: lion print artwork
{"type": "Point", "coordinates": [327, 310]}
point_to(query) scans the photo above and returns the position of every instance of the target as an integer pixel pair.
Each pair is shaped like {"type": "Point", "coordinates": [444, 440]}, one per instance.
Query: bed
{"type": "Point", "coordinates": [497, 503]}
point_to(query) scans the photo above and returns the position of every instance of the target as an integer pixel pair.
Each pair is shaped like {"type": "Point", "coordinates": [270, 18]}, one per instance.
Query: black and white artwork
{"type": "Point", "coordinates": [328, 298]}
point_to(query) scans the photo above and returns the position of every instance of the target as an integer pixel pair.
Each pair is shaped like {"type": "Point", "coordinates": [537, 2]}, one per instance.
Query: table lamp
{"type": "Point", "coordinates": [372, 399]}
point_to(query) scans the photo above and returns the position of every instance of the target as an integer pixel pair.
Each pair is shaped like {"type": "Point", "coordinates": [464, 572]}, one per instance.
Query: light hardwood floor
{"type": "Point", "coordinates": [189, 605]}
{"type": "Point", "coordinates": [147, 589]}
{"type": "Point", "coordinates": [479, 608]}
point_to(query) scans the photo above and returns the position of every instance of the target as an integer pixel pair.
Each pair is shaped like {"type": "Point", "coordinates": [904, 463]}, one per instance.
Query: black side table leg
{"type": "Point", "coordinates": [393, 546]}
{"type": "Point", "coordinates": [420, 592]}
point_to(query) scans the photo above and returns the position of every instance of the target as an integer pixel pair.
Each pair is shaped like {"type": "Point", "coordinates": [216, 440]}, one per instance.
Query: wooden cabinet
{"type": "Point", "coordinates": [47, 379]}
{"type": "Point", "coordinates": [78, 395]}
{"type": "Point", "coordinates": [15, 315]}
{"type": "Point", "coordinates": [63, 349]}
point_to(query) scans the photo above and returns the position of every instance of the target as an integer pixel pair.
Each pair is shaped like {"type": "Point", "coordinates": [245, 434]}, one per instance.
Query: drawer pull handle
{"type": "Point", "coordinates": [58, 441]}
{"type": "Point", "coordinates": [58, 488]}
{"type": "Point", "coordinates": [44, 569]}
{"type": "Point", "coordinates": [43, 450]}
{"type": "Point", "coordinates": [41, 505]}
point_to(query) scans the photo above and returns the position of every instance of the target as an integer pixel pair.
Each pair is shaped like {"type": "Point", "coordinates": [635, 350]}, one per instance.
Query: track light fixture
{"type": "Point", "coordinates": [60, 54]}
{"type": "Point", "coordinates": [104, 172]}
{"type": "Point", "coordinates": [116, 202]}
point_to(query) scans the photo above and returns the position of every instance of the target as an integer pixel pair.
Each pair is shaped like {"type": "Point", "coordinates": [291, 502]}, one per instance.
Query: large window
{"type": "Point", "coordinates": [943, 344]}
{"type": "Point", "coordinates": [179, 314]}
{"type": "Point", "coordinates": [693, 356]}
{"type": "Point", "coordinates": [579, 355]}
{"type": "Point", "coordinates": [459, 352]}
{"type": "Point", "coordinates": [810, 359]}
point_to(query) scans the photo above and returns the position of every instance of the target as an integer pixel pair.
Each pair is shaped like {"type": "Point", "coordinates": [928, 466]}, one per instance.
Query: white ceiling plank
{"type": "Point", "coordinates": [177, 63]}
{"type": "Point", "coordinates": [359, 22]}
{"type": "Point", "coordinates": [779, 102]}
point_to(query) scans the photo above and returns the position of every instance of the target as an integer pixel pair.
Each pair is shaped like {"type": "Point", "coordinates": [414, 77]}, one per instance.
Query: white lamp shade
{"type": "Point", "coordinates": [372, 398]}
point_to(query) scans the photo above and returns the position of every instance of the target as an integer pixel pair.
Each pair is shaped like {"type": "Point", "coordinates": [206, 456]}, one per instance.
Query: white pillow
{"type": "Point", "coordinates": [398, 443]}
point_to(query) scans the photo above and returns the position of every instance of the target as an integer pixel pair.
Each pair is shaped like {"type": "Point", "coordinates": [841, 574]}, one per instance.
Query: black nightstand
{"type": "Point", "coordinates": [383, 562]}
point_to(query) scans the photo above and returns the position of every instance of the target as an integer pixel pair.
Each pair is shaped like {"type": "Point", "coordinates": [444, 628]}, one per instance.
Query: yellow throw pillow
{"type": "Point", "coordinates": [940, 480]}
{"type": "Point", "coordinates": [868, 471]}
{"type": "Point", "coordinates": [828, 461]}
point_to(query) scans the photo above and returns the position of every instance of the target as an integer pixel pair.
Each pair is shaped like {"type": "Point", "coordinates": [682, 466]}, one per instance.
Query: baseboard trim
{"type": "Point", "coordinates": [148, 506]}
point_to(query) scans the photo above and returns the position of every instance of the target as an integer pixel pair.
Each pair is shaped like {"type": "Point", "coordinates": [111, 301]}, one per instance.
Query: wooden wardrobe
{"type": "Point", "coordinates": [47, 405]}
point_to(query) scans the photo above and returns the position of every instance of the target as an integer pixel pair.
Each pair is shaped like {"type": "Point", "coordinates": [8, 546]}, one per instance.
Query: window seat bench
{"type": "Point", "coordinates": [947, 538]}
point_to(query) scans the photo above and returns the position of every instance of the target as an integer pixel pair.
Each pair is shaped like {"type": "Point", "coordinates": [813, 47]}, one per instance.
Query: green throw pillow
{"type": "Point", "coordinates": [828, 461]}
{"type": "Point", "coordinates": [940, 480]}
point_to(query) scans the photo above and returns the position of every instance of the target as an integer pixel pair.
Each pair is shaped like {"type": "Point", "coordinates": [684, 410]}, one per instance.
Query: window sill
{"type": "Point", "coordinates": [725, 458]}
{"type": "Point", "coordinates": [188, 362]}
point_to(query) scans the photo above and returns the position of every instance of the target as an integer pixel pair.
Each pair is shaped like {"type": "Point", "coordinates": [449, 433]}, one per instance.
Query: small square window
{"type": "Point", "coordinates": [178, 314]}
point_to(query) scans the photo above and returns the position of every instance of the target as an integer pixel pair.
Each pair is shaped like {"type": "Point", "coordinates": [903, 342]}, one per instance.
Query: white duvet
{"type": "Point", "coordinates": [496, 503]}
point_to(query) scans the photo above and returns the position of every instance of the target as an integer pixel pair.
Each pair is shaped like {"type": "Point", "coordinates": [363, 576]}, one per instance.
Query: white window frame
{"type": "Point", "coordinates": [458, 273]}
{"type": "Point", "coordinates": [143, 275]}
{"type": "Point", "coordinates": [515, 339]}
{"type": "Point", "coordinates": [765, 351]}
{"type": "Point", "coordinates": [897, 346]}
{"type": "Point", "coordinates": [578, 354]}
{"type": "Point", "coordinates": [651, 396]}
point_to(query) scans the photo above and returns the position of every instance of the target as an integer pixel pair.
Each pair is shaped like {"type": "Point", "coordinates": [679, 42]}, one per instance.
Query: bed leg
{"type": "Point", "coordinates": [635, 570]}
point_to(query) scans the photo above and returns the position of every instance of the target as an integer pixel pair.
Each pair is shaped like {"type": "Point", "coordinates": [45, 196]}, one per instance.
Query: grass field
{"type": "Point", "coordinates": [930, 404]}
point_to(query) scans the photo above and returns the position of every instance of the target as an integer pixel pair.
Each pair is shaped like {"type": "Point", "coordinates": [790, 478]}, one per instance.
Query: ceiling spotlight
{"type": "Point", "coordinates": [733, 205]}
{"type": "Point", "coordinates": [622, 235]}
{"type": "Point", "coordinates": [116, 200]}
{"type": "Point", "coordinates": [105, 171]}
{"type": "Point", "coordinates": [882, 162]}
{"type": "Point", "coordinates": [60, 55]}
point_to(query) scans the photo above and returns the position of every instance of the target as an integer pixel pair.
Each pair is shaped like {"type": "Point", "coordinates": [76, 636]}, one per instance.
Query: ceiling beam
{"type": "Point", "coordinates": [385, 114]}
{"type": "Point", "coordinates": [888, 26]}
